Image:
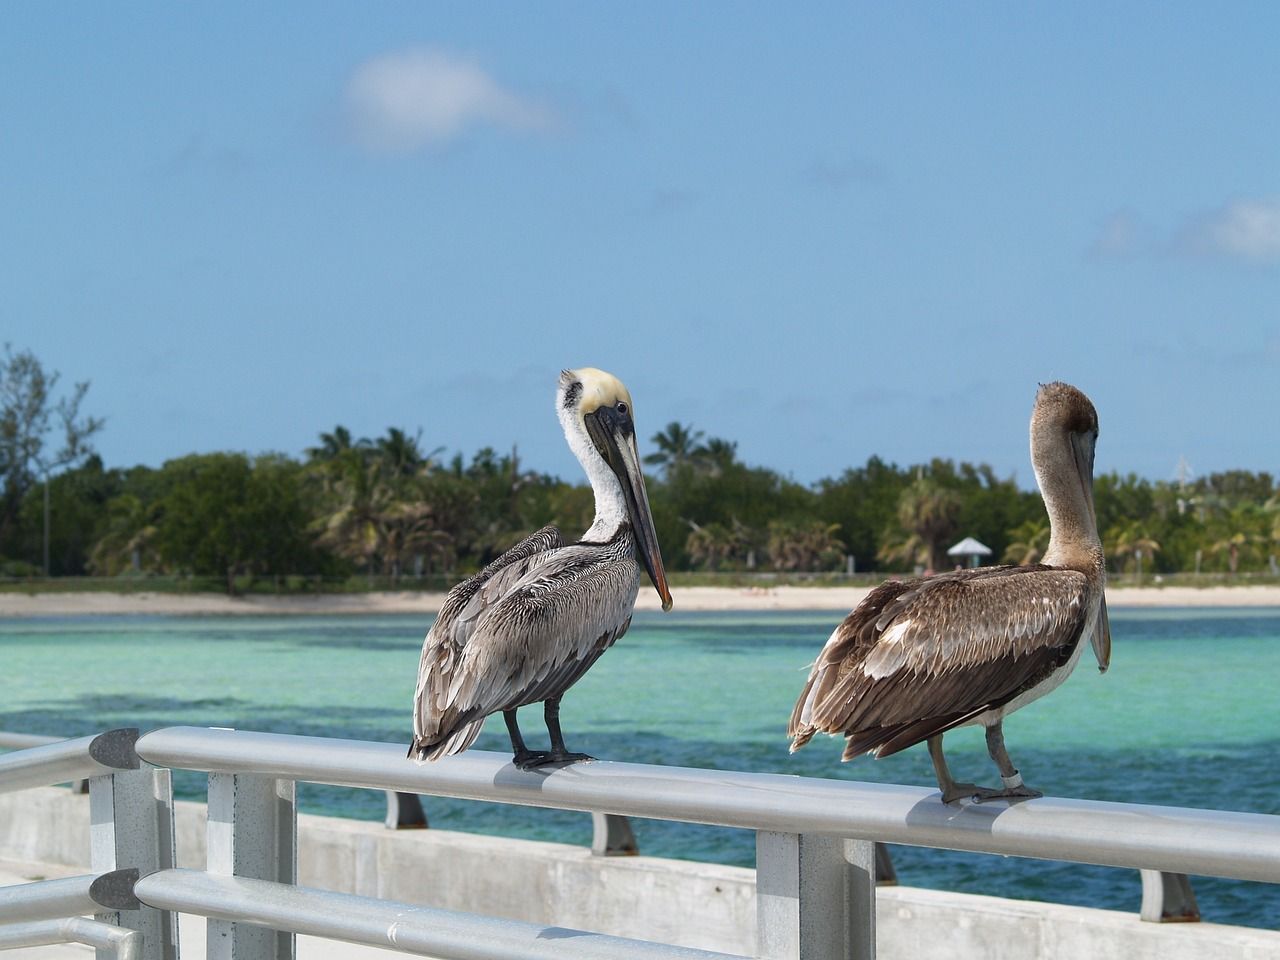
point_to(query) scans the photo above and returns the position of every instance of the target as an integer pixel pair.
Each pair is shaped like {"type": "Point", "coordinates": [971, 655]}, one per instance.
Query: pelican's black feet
{"type": "Point", "coordinates": [557, 758]}
{"type": "Point", "coordinates": [1012, 794]}
{"type": "Point", "coordinates": [528, 759]}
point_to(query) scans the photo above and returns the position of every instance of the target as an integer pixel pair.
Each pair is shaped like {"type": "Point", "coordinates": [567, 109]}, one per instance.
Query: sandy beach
{"type": "Point", "coordinates": [838, 599]}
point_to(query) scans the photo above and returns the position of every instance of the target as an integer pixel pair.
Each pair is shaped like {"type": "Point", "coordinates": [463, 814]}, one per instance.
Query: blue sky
{"type": "Point", "coordinates": [825, 233]}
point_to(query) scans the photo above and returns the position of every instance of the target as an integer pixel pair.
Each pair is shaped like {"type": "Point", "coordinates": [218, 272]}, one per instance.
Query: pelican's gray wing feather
{"type": "Point", "coordinates": [918, 657]}
{"type": "Point", "coordinates": [462, 608]}
{"type": "Point", "coordinates": [543, 634]}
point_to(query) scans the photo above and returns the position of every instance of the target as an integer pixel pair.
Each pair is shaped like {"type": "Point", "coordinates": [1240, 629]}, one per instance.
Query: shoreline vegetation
{"type": "Point", "coordinates": [841, 599]}
{"type": "Point", "coordinates": [356, 514]}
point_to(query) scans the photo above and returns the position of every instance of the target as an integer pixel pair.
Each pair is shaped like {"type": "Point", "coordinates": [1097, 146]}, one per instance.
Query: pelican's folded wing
{"type": "Point", "coordinates": [919, 657]}
{"type": "Point", "coordinates": [544, 634]}
{"type": "Point", "coordinates": [465, 604]}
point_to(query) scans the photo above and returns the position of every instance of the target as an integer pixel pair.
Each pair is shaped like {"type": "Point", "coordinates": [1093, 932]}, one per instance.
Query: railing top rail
{"type": "Point", "coordinates": [65, 760]}
{"type": "Point", "coordinates": [21, 741]}
{"type": "Point", "coordinates": [1245, 846]}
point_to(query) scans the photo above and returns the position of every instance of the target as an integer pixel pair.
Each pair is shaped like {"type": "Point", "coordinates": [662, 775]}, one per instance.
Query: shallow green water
{"type": "Point", "coordinates": [1188, 715]}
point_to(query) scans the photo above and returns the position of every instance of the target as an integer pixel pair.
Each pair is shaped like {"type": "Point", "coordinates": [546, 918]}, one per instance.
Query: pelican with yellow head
{"type": "Point", "coordinates": [525, 628]}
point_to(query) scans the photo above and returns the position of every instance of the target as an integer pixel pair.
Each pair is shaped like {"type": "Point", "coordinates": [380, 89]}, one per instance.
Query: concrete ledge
{"type": "Point", "coordinates": [687, 903]}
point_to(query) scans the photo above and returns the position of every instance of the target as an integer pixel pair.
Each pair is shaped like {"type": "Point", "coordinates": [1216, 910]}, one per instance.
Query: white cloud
{"type": "Point", "coordinates": [399, 102]}
{"type": "Point", "coordinates": [1242, 230]}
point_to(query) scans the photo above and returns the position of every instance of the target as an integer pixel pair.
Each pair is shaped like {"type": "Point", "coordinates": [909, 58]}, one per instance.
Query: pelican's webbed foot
{"type": "Point", "coordinates": [528, 759]}
{"type": "Point", "coordinates": [1012, 794]}
{"type": "Point", "coordinates": [555, 757]}
{"type": "Point", "coordinates": [961, 791]}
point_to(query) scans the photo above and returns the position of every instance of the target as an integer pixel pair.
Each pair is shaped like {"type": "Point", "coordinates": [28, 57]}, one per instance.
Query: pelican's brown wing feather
{"type": "Point", "coordinates": [919, 657]}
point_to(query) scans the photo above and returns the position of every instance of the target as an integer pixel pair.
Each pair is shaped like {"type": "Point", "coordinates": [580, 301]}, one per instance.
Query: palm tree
{"type": "Point", "coordinates": [709, 545]}
{"type": "Point", "coordinates": [402, 454]}
{"type": "Point", "coordinates": [351, 528]}
{"type": "Point", "coordinates": [677, 445]}
{"type": "Point", "coordinates": [807, 545]}
{"type": "Point", "coordinates": [1239, 533]}
{"type": "Point", "coordinates": [715, 543]}
{"type": "Point", "coordinates": [1029, 542]}
{"type": "Point", "coordinates": [927, 519]}
{"type": "Point", "coordinates": [129, 541]}
{"type": "Point", "coordinates": [333, 445]}
{"type": "Point", "coordinates": [717, 455]}
{"type": "Point", "coordinates": [405, 529]}
{"type": "Point", "coordinates": [1129, 540]}
{"type": "Point", "coordinates": [905, 550]}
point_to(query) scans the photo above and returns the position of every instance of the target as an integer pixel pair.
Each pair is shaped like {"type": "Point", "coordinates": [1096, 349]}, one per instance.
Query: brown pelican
{"type": "Point", "coordinates": [919, 657]}
{"type": "Point", "coordinates": [527, 626]}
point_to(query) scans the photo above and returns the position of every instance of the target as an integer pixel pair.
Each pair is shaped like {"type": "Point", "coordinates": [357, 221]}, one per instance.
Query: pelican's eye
{"type": "Point", "coordinates": [622, 406]}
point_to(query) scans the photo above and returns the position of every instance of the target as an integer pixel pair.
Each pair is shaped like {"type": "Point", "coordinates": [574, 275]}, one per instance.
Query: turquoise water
{"type": "Point", "coordinates": [1188, 715]}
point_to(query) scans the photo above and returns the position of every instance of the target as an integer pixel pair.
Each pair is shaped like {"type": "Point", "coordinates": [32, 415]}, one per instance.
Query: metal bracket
{"type": "Point", "coordinates": [886, 875]}
{"type": "Point", "coordinates": [612, 836]}
{"type": "Point", "coordinates": [1168, 898]}
{"type": "Point", "coordinates": [115, 748]}
{"type": "Point", "coordinates": [404, 811]}
{"type": "Point", "coordinates": [114, 890]}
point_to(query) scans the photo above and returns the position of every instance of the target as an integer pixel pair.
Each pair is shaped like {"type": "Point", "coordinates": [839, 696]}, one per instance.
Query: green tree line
{"type": "Point", "coordinates": [389, 507]}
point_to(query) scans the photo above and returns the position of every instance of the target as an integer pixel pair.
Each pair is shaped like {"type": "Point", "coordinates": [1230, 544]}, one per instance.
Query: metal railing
{"type": "Point", "coordinates": [612, 836]}
{"type": "Point", "coordinates": [815, 880]}
{"type": "Point", "coordinates": [131, 834]}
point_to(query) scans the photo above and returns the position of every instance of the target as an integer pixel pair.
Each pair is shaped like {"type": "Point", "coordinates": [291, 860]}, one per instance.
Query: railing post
{"type": "Point", "coordinates": [252, 833]}
{"type": "Point", "coordinates": [815, 897]}
{"type": "Point", "coordinates": [131, 828]}
{"type": "Point", "coordinates": [1168, 898]}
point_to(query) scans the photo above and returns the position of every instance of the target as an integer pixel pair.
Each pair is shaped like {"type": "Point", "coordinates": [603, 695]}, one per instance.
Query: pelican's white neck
{"type": "Point", "coordinates": [611, 504]}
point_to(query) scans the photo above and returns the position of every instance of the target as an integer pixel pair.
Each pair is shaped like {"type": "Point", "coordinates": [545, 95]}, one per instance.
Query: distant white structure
{"type": "Point", "coordinates": [969, 552]}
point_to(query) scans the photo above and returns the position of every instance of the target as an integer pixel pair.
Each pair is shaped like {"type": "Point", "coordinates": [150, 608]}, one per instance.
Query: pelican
{"type": "Point", "coordinates": [919, 657]}
{"type": "Point", "coordinates": [527, 626]}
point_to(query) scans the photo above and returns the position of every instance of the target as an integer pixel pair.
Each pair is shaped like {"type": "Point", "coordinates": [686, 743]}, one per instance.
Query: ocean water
{"type": "Point", "coordinates": [1188, 715]}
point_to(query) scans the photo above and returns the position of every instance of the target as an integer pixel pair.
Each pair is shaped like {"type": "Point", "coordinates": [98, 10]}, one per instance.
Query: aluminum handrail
{"type": "Point", "coordinates": [1243, 846]}
{"type": "Point", "coordinates": [63, 761]}
{"type": "Point", "coordinates": [445, 934]}
{"type": "Point", "coordinates": [68, 896]}
{"type": "Point", "coordinates": [22, 741]}
{"type": "Point", "coordinates": [125, 944]}
{"type": "Point", "coordinates": [48, 899]}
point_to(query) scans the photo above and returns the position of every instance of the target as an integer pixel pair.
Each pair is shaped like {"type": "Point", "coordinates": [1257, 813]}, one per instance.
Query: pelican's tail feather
{"type": "Point", "coordinates": [454, 742]}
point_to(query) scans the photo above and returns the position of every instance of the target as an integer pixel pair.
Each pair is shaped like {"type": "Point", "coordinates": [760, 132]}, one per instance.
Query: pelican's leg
{"type": "Point", "coordinates": [522, 756]}
{"type": "Point", "coordinates": [558, 754]}
{"type": "Point", "coordinates": [1014, 788]}
{"type": "Point", "coordinates": [951, 791]}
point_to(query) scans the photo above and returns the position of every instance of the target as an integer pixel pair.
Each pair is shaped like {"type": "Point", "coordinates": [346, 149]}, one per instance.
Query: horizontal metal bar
{"type": "Point", "coordinates": [445, 934]}
{"type": "Point", "coordinates": [47, 899]}
{"type": "Point", "coordinates": [66, 760]}
{"type": "Point", "coordinates": [21, 741]}
{"type": "Point", "coordinates": [1244, 846]}
{"type": "Point", "coordinates": [126, 944]}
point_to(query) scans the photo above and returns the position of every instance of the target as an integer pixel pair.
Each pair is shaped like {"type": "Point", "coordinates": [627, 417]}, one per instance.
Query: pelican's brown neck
{"type": "Point", "coordinates": [1063, 463]}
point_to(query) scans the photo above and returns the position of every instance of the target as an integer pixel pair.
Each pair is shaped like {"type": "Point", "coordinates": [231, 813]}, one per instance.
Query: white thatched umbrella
{"type": "Point", "coordinates": [969, 551]}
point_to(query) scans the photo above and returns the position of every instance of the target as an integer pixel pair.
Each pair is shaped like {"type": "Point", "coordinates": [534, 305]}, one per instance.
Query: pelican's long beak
{"type": "Point", "coordinates": [1082, 451]}
{"type": "Point", "coordinates": [614, 436]}
{"type": "Point", "coordinates": [1101, 639]}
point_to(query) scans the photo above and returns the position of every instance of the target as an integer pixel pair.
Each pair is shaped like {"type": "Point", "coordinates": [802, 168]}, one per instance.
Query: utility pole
{"type": "Point", "coordinates": [46, 524]}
